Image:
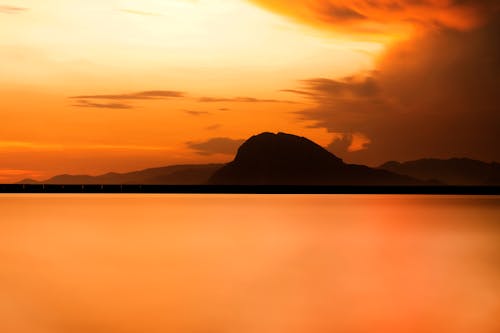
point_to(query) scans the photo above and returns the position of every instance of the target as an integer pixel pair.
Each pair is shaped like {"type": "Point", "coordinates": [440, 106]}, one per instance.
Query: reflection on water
{"type": "Point", "coordinates": [263, 264]}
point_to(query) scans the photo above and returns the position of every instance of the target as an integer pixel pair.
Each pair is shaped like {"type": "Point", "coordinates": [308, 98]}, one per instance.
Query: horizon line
{"type": "Point", "coordinates": [493, 190]}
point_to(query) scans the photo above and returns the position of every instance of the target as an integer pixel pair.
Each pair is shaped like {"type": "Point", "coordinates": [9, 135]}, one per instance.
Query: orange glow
{"type": "Point", "coordinates": [80, 78]}
{"type": "Point", "coordinates": [359, 142]}
{"type": "Point", "coordinates": [226, 61]}
{"type": "Point", "coordinates": [382, 20]}
{"type": "Point", "coordinates": [165, 263]}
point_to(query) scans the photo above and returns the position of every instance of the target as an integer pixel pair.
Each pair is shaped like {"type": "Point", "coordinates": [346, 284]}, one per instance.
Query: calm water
{"type": "Point", "coordinates": [249, 264]}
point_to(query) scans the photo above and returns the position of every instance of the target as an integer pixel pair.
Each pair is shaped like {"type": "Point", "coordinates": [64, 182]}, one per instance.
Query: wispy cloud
{"type": "Point", "coordinates": [88, 104]}
{"type": "Point", "coordinates": [5, 9]}
{"type": "Point", "coordinates": [336, 13]}
{"type": "Point", "coordinates": [89, 100]}
{"type": "Point", "coordinates": [151, 94]}
{"type": "Point", "coordinates": [384, 16]}
{"type": "Point", "coordinates": [197, 113]}
{"type": "Point", "coordinates": [139, 12]}
{"type": "Point", "coordinates": [214, 146]}
{"type": "Point", "coordinates": [299, 92]}
{"type": "Point", "coordinates": [213, 127]}
{"type": "Point", "coordinates": [348, 142]}
{"type": "Point", "coordinates": [241, 100]}
{"type": "Point", "coordinates": [44, 147]}
{"type": "Point", "coordinates": [348, 87]}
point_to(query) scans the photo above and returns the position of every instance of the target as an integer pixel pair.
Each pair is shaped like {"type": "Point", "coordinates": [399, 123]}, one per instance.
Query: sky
{"type": "Point", "coordinates": [93, 86]}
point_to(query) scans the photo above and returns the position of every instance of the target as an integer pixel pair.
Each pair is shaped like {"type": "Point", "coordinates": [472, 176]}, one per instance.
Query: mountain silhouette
{"type": "Point", "coordinates": [285, 159]}
{"type": "Point", "coordinates": [170, 175]}
{"type": "Point", "coordinates": [455, 171]}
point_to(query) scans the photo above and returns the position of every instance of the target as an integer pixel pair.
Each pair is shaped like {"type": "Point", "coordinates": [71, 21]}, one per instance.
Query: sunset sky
{"type": "Point", "coordinates": [92, 86]}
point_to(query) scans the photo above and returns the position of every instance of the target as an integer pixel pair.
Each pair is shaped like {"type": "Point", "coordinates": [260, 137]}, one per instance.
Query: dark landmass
{"type": "Point", "coordinates": [284, 159]}
{"type": "Point", "coordinates": [455, 171]}
{"type": "Point", "coordinates": [170, 175]}
{"type": "Point", "coordinates": [245, 189]}
{"type": "Point", "coordinates": [280, 161]}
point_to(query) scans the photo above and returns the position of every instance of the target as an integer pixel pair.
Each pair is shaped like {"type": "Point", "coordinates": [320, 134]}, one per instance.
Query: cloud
{"type": "Point", "coordinates": [197, 113]}
{"type": "Point", "coordinates": [344, 105]}
{"type": "Point", "coordinates": [5, 9]}
{"type": "Point", "coordinates": [432, 93]}
{"type": "Point", "coordinates": [139, 12]}
{"type": "Point", "coordinates": [213, 127]}
{"type": "Point", "coordinates": [300, 92]}
{"type": "Point", "coordinates": [213, 146]}
{"type": "Point", "coordinates": [241, 100]}
{"type": "Point", "coordinates": [435, 95]}
{"type": "Point", "coordinates": [336, 13]}
{"type": "Point", "coordinates": [167, 94]}
{"type": "Point", "coordinates": [348, 87]}
{"type": "Point", "coordinates": [348, 142]}
{"type": "Point", "coordinates": [46, 147]}
{"type": "Point", "coordinates": [88, 104]}
{"type": "Point", "coordinates": [143, 95]}
{"type": "Point", "coordinates": [383, 16]}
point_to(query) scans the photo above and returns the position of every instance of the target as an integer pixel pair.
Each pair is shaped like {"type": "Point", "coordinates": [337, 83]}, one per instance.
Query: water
{"type": "Point", "coordinates": [249, 264]}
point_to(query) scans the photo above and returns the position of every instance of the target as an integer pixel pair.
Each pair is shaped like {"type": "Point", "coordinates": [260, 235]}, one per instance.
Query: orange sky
{"type": "Point", "coordinates": [91, 86]}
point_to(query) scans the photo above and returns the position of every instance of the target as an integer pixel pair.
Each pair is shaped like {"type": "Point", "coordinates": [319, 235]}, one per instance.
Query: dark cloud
{"type": "Point", "coordinates": [213, 146]}
{"type": "Point", "coordinates": [88, 104]}
{"type": "Point", "coordinates": [166, 94]}
{"type": "Point", "coordinates": [213, 127]}
{"type": "Point", "coordinates": [344, 105]}
{"type": "Point", "coordinates": [340, 145]}
{"type": "Point", "coordinates": [300, 92]}
{"type": "Point", "coordinates": [196, 113]}
{"type": "Point", "coordinates": [348, 143]}
{"type": "Point", "coordinates": [152, 94]}
{"type": "Point", "coordinates": [348, 87]}
{"type": "Point", "coordinates": [436, 95]}
{"type": "Point", "coordinates": [241, 100]}
{"type": "Point", "coordinates": [5, 9]}
{"type": "Point", "coordinates": [336, 13]}
{"type": "Point", "coordinates": [381, 17]}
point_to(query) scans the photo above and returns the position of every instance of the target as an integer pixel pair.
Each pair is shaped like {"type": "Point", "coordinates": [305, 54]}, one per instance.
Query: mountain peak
{"type": "Point", "coordinates": [282, 148]}
{"type": "Point", "coordinates": [287, 159]}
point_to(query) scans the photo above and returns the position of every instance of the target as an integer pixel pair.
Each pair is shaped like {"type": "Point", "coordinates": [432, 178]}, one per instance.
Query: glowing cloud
{"type": "Point", "coordinates": [384, 18]}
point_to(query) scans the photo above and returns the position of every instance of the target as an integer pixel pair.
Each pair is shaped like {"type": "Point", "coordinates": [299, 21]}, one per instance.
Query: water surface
{"type": "Point", "coordinates": [249, 264]}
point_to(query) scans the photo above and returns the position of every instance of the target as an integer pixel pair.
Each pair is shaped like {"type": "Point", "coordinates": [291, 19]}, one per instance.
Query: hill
{"type": "Point", "coordinates": [455, 171]}
{"type": "Point", "coordinates": [285, 159]}
{"type": "Point", "coordinates": [170, 175]}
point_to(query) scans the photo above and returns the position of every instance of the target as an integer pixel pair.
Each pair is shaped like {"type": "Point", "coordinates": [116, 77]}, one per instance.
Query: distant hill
{"type": "Point", "coordinates": [455, 171]}
{"type": "Point", "coordinates": [170, 175]}
{"type": "Point", "coordinates": [285, 159]}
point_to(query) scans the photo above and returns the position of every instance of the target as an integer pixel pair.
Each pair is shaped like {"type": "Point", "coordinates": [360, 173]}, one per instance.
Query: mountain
{"type": "Point", "coordinates": [285, 159]}
{"type": "Point", "coordinates": [455, 171]}
{"type": "Point", "coordinates": [170, 175]}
